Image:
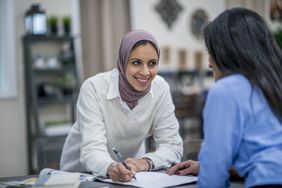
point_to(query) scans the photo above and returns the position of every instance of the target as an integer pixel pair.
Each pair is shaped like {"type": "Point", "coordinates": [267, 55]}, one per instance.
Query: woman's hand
{"type": "Point", "coordinates": [137, 164]}
{"type": "Point", "coordinates": [118, 172]}
{"type": "Point", "coordinates": [185, 168]}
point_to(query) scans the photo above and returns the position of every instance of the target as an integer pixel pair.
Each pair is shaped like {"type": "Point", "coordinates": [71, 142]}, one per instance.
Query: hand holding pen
{"type": "Point", "coordinates": [122, 160]}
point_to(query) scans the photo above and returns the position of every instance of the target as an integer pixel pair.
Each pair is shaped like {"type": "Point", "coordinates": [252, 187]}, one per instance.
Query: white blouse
{"type": "Point", "coordinates": [105, 121]}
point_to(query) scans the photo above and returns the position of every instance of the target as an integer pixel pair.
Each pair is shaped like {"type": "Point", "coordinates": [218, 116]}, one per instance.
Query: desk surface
{"type": "Point", "coordinates": [108, 185]}
{"type": "Point", "coordinates": [193, 185]}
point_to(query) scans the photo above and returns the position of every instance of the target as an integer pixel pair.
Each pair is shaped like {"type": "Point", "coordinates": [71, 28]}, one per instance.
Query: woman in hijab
{"type": "Point", "coordinates": [120, 109]}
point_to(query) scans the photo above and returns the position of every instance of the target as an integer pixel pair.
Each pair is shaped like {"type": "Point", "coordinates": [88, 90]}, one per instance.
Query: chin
{"type": "Point", "coordinates": [138, 88]}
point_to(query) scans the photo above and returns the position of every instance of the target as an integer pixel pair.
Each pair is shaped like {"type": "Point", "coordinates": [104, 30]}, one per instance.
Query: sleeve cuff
{"type": "Point", "coordinates": [157, 163]}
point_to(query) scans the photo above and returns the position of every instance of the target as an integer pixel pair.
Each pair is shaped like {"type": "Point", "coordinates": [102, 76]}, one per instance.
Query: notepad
{"type": "Point", "coordinates": [83, 176]}
{"type": "Point", "coordinates": [156, 180]}
{"type": "Point", "coordinates": [67, 180]}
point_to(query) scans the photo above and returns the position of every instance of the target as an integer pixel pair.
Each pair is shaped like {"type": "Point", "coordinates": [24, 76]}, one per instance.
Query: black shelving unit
{"type": "Point", "coordinates": [50, 94]}
{"type": "Point", "coordinates": [188, 107]}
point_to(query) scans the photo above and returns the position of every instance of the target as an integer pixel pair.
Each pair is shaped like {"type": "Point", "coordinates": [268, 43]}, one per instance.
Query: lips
{"type": "Point", "coordinates": [142, 81]}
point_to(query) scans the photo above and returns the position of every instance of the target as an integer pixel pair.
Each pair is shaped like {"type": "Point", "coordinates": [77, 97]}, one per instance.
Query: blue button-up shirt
{"type": "Point", "coordinates": [240, 130]}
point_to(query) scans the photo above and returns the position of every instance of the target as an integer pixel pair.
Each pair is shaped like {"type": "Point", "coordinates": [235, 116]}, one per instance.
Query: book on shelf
{"type": "Point", "coordinates": [57, 128]}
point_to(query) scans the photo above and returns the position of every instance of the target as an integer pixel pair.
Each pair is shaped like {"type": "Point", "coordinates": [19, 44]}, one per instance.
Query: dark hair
{"type": "Point", "coordinates": [239, 41]}
{"type": "Point", "coordinates": [144, 42]}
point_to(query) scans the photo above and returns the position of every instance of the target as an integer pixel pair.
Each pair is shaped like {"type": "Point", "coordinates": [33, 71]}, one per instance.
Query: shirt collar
{"type": "Point", "coordinates": [113, 91]}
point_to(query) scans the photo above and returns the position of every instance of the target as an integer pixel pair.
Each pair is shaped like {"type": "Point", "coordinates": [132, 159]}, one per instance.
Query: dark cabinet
{"type": "Point", "coordinates": [51, 90]}
{"type": "Point", "coordinates": [189, 90]}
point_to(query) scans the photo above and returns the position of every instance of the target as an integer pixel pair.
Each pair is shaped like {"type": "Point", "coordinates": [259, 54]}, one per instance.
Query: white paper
{"type": "Point", "coordinates": [156, 180]}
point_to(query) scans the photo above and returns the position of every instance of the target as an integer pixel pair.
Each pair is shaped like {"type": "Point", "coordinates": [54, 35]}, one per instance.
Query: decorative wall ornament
{"type": "Point", "coordinates": [276, 10]}
{"type": "Point", "coordinates": [169, 10]}
{"type": "Point", "coordinates": [198, 21]}
{"type": "Point", "coordinates": [182, 58]}
{"type": "Point", "coordinates": [198, 57]}
{"type": "Point", "coordinates": [165, 54]}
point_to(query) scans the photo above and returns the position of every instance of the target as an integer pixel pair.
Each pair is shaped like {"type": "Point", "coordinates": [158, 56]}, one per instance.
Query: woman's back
{"type": "Point", "coordinates": [240, 130]}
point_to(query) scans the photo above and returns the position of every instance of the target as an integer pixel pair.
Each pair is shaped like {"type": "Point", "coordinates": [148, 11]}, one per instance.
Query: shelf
{"type": "Point", "coordinates": [188, 106]}
{"type": "Point", "coordinates": [46, 98]}
{"type": "Point", "coordinates": [45, 136]}
{"type": "Point", "coordinates": [181, 73]}
{"type": "Point", "coordinates": [54, 71]}
{"type": "Point", "coordinates": [56, 100]}
{"type": "Point", "coordinates": [42, 38]}
{"type": "Point", "coordinates": [57, 130]}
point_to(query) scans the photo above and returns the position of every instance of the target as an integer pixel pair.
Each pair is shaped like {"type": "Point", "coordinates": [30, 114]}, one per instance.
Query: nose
{"type": "Point", "coordinates": [144, 70]}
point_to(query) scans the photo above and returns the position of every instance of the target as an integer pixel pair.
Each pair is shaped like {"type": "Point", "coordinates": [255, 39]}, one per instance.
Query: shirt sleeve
{"type": "Point", "coordinates": [223, 122]}
{"type": "Point", "coordinates": [94, 154]}
{"type": "Point", "coordinates": [169, 145]}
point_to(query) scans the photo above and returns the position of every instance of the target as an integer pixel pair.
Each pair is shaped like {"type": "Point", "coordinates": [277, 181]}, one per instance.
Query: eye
{"type": "Point", "coordinates": [152, 63]}
{"type": "Point", "coordinates": [136, 63]}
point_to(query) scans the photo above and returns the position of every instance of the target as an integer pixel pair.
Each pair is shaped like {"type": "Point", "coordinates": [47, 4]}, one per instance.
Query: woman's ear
{"type": "Point", "coordinates": [211, 62]}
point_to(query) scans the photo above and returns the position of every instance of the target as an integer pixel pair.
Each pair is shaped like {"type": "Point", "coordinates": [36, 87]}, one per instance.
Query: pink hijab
{"type": "Point", "coordinates": [127, 92]}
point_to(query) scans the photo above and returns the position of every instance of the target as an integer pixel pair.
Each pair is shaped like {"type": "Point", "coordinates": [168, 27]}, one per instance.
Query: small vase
{"type": "Point", "coordinates": [67, 29]}
{"type": "Point", "coordinates": [54, 29]}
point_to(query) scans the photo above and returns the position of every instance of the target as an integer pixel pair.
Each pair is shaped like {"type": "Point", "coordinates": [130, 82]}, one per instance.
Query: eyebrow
{"type": "Point", "coordinates": [141, 59]}
{"type": "Point", "coordinates": [134, 59]}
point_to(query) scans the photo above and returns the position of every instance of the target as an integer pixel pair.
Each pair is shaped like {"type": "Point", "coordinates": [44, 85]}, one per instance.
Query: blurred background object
{"type": "Point", "coordinates": [36, 20]}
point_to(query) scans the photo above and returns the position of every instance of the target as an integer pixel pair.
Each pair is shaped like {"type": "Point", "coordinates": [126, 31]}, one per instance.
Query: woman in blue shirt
{"type": "Point", "coordinates": [243, 111]}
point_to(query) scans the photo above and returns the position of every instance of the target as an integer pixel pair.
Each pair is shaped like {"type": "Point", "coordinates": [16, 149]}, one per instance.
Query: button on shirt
{"type": "Point", "coordinates": [105, 121]}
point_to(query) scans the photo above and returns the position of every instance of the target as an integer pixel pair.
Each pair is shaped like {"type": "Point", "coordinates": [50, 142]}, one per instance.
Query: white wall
{"type": "Point", "coordinates": [144, 16]}
{"type": "Point", "coordinates": [13, 141]}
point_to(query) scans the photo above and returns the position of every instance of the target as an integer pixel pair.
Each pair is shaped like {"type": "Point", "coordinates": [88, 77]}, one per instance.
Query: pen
{"type": "Point", "coordinates": [121, 159]}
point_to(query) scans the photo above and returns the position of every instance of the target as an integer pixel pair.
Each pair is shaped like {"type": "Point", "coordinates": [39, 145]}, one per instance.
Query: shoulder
{"type": "Point", "coordinates": [159, 84]}
{"type": "Point", "coordinates": [99, 82]}
{"type": "Point", "coordinates": [231, 86]}
{"type": "Point", "coordinates": [99, 79]}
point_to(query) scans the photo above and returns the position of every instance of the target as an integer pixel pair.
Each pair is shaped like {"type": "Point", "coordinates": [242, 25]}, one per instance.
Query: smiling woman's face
{"type": "Point", "coordinates": [142, 67]}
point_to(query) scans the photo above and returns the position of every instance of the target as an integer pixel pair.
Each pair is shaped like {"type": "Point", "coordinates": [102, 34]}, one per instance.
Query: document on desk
{"type": "Point", "coordinates": [156, 180]}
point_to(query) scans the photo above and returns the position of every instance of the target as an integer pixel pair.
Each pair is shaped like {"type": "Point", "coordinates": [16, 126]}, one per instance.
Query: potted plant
{"type": "Point", "coordinates": [67, 83]}
{"type": "Point", "coordinates": [53, 24]}
{"type": "Point", "coordinates": [67, 24]}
